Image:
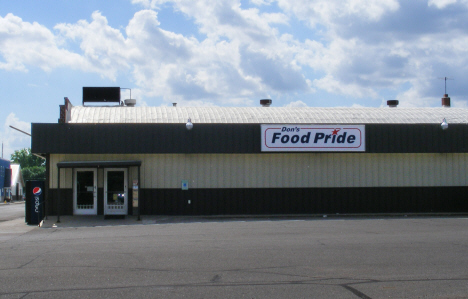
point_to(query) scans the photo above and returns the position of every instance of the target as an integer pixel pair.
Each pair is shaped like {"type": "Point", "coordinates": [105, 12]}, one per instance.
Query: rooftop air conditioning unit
{"type": "Point", "coordinates": [130, 102]}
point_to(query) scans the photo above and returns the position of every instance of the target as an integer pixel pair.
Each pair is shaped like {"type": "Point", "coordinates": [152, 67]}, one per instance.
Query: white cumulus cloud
{"type": "Point", "coordinates": [244, 51]}
{"type": "Point", "coordinates": [12, 139]}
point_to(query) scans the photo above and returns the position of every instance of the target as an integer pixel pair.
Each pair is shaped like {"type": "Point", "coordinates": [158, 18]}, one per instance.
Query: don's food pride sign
{"type": "Point", "coordinates": [312, 138]}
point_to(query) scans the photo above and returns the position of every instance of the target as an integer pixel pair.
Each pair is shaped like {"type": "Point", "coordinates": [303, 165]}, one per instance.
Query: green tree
{"type": "Point", "coordinates": [32, 167]}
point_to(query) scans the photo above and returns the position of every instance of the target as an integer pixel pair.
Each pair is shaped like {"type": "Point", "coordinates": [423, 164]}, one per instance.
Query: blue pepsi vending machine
{"type": "Point", "coordinates": [34, 202]}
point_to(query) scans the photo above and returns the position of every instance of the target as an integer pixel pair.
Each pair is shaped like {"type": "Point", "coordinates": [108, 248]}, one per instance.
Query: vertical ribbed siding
{"type": "Point", "coordinates": [317, 170]}
{"type": "Point", "coordinates": [416, 138]}
{"type": "Point", "coordinates": [225, 138]}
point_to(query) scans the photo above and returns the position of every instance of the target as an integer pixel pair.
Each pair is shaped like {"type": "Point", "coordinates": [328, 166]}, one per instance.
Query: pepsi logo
{"type": "Point", "coordinates": [37, 191]}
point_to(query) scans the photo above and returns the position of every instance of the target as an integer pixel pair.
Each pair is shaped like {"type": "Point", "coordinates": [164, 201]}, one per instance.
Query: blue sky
{"type": "Point", "coordinates": [317, 53]}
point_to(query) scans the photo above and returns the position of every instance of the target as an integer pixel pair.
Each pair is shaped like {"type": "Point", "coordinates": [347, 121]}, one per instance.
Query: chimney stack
{"type": "Point", "coordinates": [392, 103]}
{"type": "Point", "coordinates": [446, 101]}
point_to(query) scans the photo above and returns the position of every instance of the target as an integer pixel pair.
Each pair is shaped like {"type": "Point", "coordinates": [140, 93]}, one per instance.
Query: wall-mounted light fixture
{"type": "Point", "coordinates": [444, 125]}
{"type": "Point", "coordinates": [189, 124]}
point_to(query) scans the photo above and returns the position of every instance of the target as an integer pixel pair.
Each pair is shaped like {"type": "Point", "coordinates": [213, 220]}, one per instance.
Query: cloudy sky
{"type": "Point", "coordinates": [325, 53]}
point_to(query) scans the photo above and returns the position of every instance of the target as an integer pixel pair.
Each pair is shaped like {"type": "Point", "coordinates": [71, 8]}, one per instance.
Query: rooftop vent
{"type": "Point", "coordinates": [266, 102]}
{"type": "Point", "coordinates": [130, 102]}
{"type": "Point", "coordinates": [392, 103]}
{"type": "Point", "coordinates": [174, 104]}
{"type": "Point", "coordinates": [446, 101]}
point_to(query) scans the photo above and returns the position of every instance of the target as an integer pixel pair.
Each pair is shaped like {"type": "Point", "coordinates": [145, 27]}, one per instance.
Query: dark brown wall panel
{"type": "Point", "coordinates": [304, 201]}
{"type": "Point", "coordinates": [280, 201]}
{"type": "Point", "coordinates": [227, 138]}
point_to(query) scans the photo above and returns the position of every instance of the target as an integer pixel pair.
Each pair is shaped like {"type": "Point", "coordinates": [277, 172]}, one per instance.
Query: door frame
{"type": "Point", "coordinates": [123, 211]}
{"type": "Point", "coordinates": [77, 211]}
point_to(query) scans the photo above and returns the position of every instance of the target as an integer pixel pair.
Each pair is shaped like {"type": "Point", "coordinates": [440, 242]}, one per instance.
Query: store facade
{"type": "Point", "coordinates": [249, 161]}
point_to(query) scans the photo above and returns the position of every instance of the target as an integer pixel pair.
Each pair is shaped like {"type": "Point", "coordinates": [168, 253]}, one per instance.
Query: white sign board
{"type": "Point", "coordinates": [313, 138]}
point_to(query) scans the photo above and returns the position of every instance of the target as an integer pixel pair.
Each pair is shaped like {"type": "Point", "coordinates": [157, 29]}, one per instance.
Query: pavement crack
{"type": "Point", "coordinates": [216, 278]}
{"type": "Point", "coordinates": [355, 292]}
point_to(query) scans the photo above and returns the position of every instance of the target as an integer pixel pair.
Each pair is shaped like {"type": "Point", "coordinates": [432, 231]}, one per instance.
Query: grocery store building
{"type": "Point", "coordinates": [122, 160]}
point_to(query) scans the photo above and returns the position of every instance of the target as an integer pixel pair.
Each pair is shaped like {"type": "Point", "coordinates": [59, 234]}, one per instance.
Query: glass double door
{"type": "Point", "coordinates": [115, 192]}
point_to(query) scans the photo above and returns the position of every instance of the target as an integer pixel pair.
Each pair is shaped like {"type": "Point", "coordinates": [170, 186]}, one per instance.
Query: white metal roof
{"type": "Point", "coordinates": [266, 115]}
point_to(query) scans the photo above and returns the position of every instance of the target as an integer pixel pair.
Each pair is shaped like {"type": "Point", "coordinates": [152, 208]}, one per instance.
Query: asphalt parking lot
{"type": "Point", "coordinates": [420, 257]}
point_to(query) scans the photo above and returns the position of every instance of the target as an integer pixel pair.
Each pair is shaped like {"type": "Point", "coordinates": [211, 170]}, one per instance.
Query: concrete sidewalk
{"type": "Point", "coordinates": [2, 203]}
{"type": "Point", "coordinates": [98, 221]}
{"type": "Point", "coordinates": [95, 221]}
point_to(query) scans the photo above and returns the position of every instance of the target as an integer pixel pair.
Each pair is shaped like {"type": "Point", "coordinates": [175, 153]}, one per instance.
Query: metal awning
{"type": "Point", "coordinates": [98, 164]}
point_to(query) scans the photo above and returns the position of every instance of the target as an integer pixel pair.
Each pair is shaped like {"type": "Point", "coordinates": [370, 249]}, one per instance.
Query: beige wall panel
{"type": "Point", "coordinates": [267, 175]}
{"type": "Point", "coordinates": [352, 168]}
{"type": "Point", "coordinates": [214, 170]}
{"type": "Point", "coordinates": [296, 168]}
{"type": "Point", "coordinates": [177, 163]}
{"type": "Point", "coordinates": [223, 171]}
{"type": "Point", "coordinates": [435, 160]}
{"type": "Point", "coordinates": [455, 168]}
{"type": "Point", "coordinates": [243, 176]}
{"type": "Point", "coordinates": [262, 166]}
{"type": "Point", "coordinates": [339, 170]}
{"type": "Point", "coordinates": [280, 170]}
{"type": "Point", "coordinates": [250, 168]}
{"type": "Point", "coordinates": [319, 169]}
{"type": "Point", "coordinates": [274, 167]}
{"type": "Point", "coordinates": [419, 165]}
{"type": "Point", "coordinates": [158, 172]}
{"type": "Point", "coordinates": [412, 170]}
{"type": "Point", "coordinates": [367, 174]}
{"type": "Point", "coordinates": [407, 170]}
{"type": "Point", "coordinates": [463, 170]}
{"type": "Point", "coordinates": [403, 170]}
{"type": "Point", "coordinates": [279, 167]}
{"type": "Point", "coordinates": [300, 170]}
{"type": "Point", "coordinates": [146, 172]}
{"type": "Point", "coordinates": [442, 174]}
{"type": "Point", "coordinates": [363, 178]}
{"type": "Point", "coordinates": [323, 169]}
{"type": "Point", "coordinates": [204, 176]}
{"type": "Point", "coordinates": [431, 168]}
{"type": "Point", "coordinates": [333, 171]}
{"type": "Point", "coordinates": [397, 165]}
{"type": "Point", "coordinates": [376, 170]}
{"type": "Point", "coordinates": [163, 172]}
{"type": "Point", "coordinates": [448, 165]}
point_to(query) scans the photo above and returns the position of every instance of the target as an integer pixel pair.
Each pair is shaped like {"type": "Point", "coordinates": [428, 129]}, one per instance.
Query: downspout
{"type": "Point", "coordinates": [139, 194]}
{"type": "Point", "coordinates": [58, 195]}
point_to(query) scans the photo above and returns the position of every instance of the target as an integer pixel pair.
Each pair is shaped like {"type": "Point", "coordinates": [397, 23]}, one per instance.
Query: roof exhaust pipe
{"type": "Point", "coordinates": [392, 103]}
{"type": "Point", "coordinates": [266, 102]}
